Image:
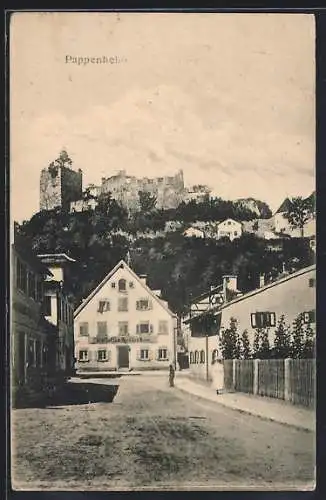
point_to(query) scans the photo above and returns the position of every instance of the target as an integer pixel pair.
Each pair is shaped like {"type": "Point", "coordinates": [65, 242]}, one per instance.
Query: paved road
{"type": "Point", "coordinates": [152, 436]}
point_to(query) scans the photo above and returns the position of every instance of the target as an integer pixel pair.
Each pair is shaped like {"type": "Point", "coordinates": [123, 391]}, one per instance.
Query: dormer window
{"type": "Point", "coordinates": [122, 285]}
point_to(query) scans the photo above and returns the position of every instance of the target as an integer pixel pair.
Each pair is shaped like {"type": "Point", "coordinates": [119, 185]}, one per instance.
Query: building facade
{"type": "Point", "coordinates": [33, 339]}
{"type": "Point", "coordinates": [59, 186]}
{"type": "Point", "coordinates": [290, 296]}
{"type": "Point", "coordinates": [229, 228]}
{"type": "Point", "coordinates": [59, 310]}
{"type": "Point", "coordinates": [168, 191]}
{"type": "Point", "coordinates": [124, 325]}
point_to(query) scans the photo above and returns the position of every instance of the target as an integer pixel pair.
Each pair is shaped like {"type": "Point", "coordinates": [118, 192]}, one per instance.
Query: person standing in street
{"type": "Point", "coordinates": [171, 375]}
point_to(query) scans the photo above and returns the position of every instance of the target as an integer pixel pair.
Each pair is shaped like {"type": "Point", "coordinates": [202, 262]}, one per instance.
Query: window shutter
{"type": "Point", "coordinates": [253, 320]}
{"type": "Point", "coordinates": [151, 329]}
{"type": "Point", "coordinates": [137, 328]}
{"type": "Point", "coordinates": [137, 305]}
{"type": "Point", "coordinates": [150, 304]}
{"type": "Point", "coordinates": [108, 355]}
{"type": "Point", "coordinates": [138, 354]}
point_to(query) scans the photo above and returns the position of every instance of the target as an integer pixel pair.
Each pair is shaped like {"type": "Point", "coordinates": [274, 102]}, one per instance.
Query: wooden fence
{"type": "Point", "coordinates": [244, 375]}
{"type": "Point", "coordinates": [291, 379]}
{"type": "Point", "coordinates": [271, 381]}
{"type": "Point", "coordinates": [302, 387]}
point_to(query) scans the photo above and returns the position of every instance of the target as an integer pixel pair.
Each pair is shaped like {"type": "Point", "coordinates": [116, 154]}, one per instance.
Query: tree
{"type": "Point", "coordinates": [230, 341]}
{"type": "Point", "coordinates": [147, 201]}
{"type": "Point", "coordinates": [299, 212]}
{"type": "Point", "coordinates": [309, 348]}
{"type": "Point", "coordinates": [261, 347]}
{"type": "Point", "coordinates": [245, 351]}
{"type": "Point", "coordinates": [282, 340]}
{"type": "Point", "coordinates": [298, 338]}
{"type": "Point", "coordinates": [62, 161]}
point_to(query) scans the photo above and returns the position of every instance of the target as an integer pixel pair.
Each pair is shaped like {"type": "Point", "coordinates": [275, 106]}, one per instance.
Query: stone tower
{"type": "Point", "coordinates": [60, 184]}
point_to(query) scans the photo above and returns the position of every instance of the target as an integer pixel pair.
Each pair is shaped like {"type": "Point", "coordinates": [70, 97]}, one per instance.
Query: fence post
{"type": "Point", "coordinates": [287, 381]}
{"type": "Point", "coordinates": [256, 368]}
{"type": "Point", "coordinates": [233, 373]}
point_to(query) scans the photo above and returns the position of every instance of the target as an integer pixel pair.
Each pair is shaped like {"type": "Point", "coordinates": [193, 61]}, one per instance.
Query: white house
{"type": "Point", "coordinates": [194, 232]}
{"type": "Point", "coordinates": [282, 225]}
{"type": "Point", "coordinates": [123, 324]}
{"type": "Point", "coordinates": [261, 308]}
{"type": "Point", "coordinates": [229, 228]}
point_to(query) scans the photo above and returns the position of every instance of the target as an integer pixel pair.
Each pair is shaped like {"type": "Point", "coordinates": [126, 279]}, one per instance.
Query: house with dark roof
{"type": "Point", "coordinates": [124, 325]}
{"type": "Point", "coordinates": [290, 295]}
{"type": "Point", "coordinates": [281, 225]}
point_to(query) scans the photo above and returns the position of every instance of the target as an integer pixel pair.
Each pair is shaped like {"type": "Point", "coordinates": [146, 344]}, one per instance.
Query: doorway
{"type": "Point", "coordinates": [123, 356]}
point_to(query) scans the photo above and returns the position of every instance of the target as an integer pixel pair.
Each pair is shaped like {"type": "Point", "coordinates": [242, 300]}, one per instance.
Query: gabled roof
{"type": "Point", "coordinates": [218, 309]}
{"type": "Point", "coordinates": [120, 264]}
{"type": "Point", "coordinates": [229, 218]}
{"type": "Point", "coordinates": [55, 258]}
{"type": "Point", "coordinates": [284, 206]}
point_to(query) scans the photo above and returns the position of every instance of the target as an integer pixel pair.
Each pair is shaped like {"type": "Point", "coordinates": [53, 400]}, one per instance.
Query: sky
{"type": "Point", "coordinates": [228, 98]}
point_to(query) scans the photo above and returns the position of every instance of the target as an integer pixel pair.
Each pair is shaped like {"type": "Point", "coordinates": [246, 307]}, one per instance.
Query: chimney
{"type": "Point", "coordinates": [143, 278]}
{"type": "Point", "coordinates": [261, 280]}
{"type": "Point", "coordinates": [230, 282]}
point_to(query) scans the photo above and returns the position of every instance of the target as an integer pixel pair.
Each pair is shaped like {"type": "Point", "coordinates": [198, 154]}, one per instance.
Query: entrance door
{"type": "Point", "coordinates": [123, 356]}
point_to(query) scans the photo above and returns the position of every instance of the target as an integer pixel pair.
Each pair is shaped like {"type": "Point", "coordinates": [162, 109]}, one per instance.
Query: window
{"type": "Point", "coordinates": [31, 353]}
{"type": "Point", "coordinates": [59, 308]}
{"type": "Point", "coordinates": [83, 329]}
{"type": "Point", "coordinates": [309, 317]}
{"type": "Point", "coordinates": [143, 305]}
{"type": "Point", "coordinates": [144, 354]}
{"type": "Point", "coordinates": [102, 329]}
{"type": "Point", "coordinates": [112, 285]}
{"type": "Point", "coordinates": [31, 285]}
{"type": "Point", "coordinates": [163, 353]}
{"type": "Point", "coordinates": [214, 356]}
{"type": "Point", "coordinates": [83, 355]}
{"type": "Point", "coordinates": [21, 276]}
{"type": "Point", "coordinates": [196, 357]}
{"type": "Point", "coordinates": [103, 306]}
{"type": "Point", "coordinates": [122, 285]}
{"type": "Point", "coordinates": [144, 328]}
{"type": "Point", "coordinates": [202, 356]}
{"type": "Point", "coordinates": [235, 233]}
{"type": "Point", "coordinates": [263, 319]}
{"type": "Point", "coordinates": [102, 355]}
{"type": "Point", "coordinates": [47, 306]}
{"type": "Point", "coordinates": [123, 304]}
{"type": "Point", "coordinates": [38, 353]}
{"type": "Point", "coordinates": [191, 357]}
{"type": "Point", "coordinates": [39, 290]}
{"type": "Point", "coordinates": [123, 328]}
{"type": "Point", "coordinates": [312, 283]}
{"type": "Point", "coordinates": [229, 223]}
{"type": "Point", "coordinates": [131, 284]}
{"type": "Point", "coordinates": [163, 327]}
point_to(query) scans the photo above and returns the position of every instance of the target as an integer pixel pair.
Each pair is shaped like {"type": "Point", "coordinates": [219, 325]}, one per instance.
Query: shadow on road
{"type": "Point", "coordinates": [72, 394]}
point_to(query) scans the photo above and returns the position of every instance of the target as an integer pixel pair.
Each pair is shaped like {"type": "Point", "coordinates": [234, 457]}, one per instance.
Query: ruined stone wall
{"type": "Point", "coordinates": [50, 189]}
{"type": "Point", "coordinates": [58, 187]}
{"type": "Point", "coordinates": [71, 186]}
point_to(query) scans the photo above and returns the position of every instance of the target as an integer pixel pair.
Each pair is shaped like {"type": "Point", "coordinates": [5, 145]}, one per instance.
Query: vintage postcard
{"type": "Point", "coordinates": [162, 206]}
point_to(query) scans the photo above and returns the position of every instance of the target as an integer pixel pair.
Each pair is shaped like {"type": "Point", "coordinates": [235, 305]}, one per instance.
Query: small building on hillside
{"type": "Point", "coordinates": [194, 232]}
{"type": "Point", "coordinates": [124, 325]}
{"type": "Point", "coordinates": [229, 228]}
{"type": "Point", "coordinates": [282, 225]}
{"type": "Point", "coordinates": [290, 296]}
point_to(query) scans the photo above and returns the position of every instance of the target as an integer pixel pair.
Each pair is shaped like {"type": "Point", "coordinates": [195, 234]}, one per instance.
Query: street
{"type": "Point", "coordinates": [154, 437]}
